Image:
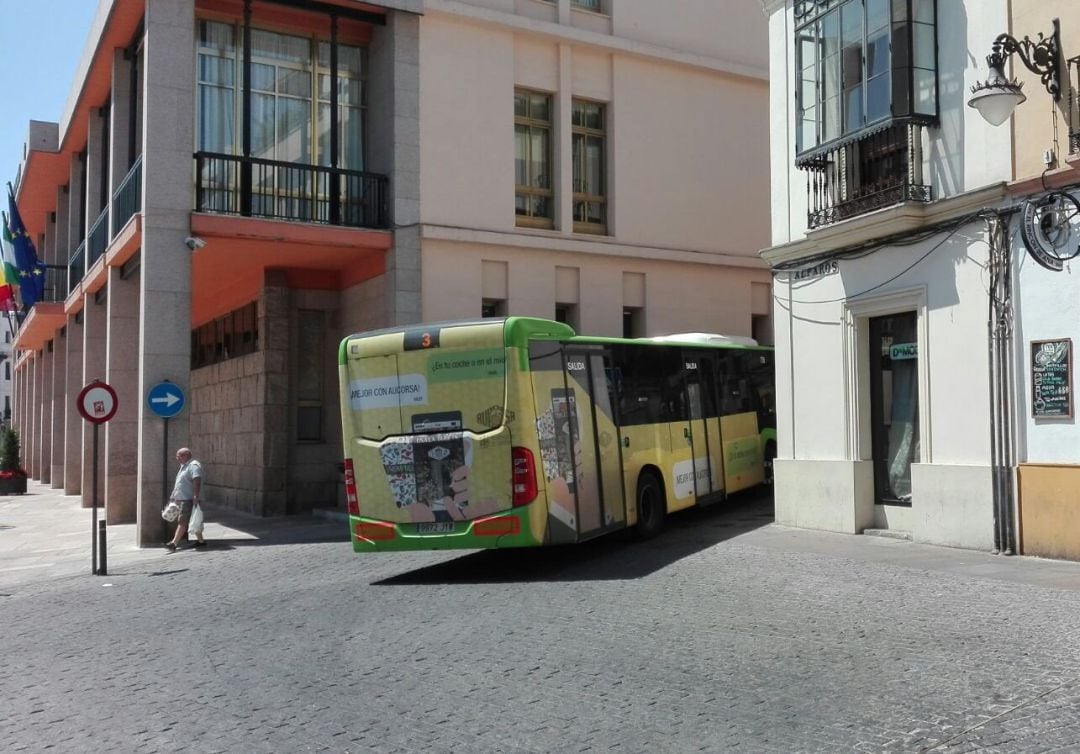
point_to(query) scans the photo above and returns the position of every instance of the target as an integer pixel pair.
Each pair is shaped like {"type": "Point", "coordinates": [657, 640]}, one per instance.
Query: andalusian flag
{"type": "Point", "coordinates": [9, 274]}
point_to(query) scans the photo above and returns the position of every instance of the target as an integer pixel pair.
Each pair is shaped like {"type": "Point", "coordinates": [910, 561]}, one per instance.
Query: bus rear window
{"type": "Point", "coordinates": [428, 391]}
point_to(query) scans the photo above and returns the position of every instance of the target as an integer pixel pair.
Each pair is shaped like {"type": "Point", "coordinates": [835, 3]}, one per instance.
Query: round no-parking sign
{"type": "Point", "coordinates": [97, 402]}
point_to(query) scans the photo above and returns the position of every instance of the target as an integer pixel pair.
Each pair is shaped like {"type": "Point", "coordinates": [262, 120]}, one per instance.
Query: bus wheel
{"type": "Point", "coordinates": [770, 456]}
{"type": "Point", "coordinates": [651, 507]}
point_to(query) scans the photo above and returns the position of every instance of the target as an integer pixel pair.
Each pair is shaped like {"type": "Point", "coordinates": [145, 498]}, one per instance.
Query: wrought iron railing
{"type": "Point", "coordinates": [254, 187]}
{"type": "Point", "coordinates": [97, 240]}
{"type": "Point", "coordinates": [875, 171]}
{"type": "Point", "coordinates": [55, 288]}
{"type": "Point", "coordinates": [128, 198]}
{"type": "Point", "coordinates": [1072, 69]}
{"type": "Point", "coordinates": [77, 266]}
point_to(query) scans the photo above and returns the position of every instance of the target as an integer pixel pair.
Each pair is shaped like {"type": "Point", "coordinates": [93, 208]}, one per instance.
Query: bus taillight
{"type": "Point", "coordinates": [524, 478]}
{"type": "Point", "coordinates": [497, 526]}
{"type": "Point", "coordinates": [375, 531]}
{"type": "Point", "coordinates": [351, 498]}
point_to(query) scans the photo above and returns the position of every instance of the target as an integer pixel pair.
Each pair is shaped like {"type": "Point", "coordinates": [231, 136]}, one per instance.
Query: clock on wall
{"type": "Point", "coordinates": [1050, 226]}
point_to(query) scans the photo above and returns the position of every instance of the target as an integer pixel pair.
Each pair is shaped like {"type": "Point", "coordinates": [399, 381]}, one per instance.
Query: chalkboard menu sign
{"type": "Point", "coordinates": [1051, 378]}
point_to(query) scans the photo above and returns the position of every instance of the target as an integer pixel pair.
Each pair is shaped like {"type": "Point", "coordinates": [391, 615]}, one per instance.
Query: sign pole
{"type": "Point", "coordinates": [97, 404]}
{"type": "Point", "coordinates": [93, 515]}
{"type": "Point", "coordinates": [98, 570]}
{"type": "Point", "coordinates": [166, 400]}
{"type": "Point", "coordinates": [165, 464]}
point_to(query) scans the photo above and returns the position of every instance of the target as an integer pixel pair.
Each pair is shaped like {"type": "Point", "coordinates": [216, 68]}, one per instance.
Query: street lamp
{"type": "Point", "coordinates": [997, 97]}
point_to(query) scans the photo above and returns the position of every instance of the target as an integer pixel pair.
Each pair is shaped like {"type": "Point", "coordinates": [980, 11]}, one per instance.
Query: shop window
{"type": "Point", "coordinates": [235, 334]}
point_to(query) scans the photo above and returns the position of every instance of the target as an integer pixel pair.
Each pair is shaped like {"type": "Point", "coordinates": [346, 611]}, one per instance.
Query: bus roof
{"type": "Point", "coordinates": [705, 338]}
{"type": "Point", "coordinates": [518, 331]}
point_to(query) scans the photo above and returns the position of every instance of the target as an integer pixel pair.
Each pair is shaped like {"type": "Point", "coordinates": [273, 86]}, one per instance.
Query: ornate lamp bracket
{"type": "Point", "coordinates": [1042, 58]}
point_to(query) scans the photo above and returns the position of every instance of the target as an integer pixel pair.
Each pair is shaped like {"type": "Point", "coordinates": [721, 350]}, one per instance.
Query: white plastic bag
{"type": "Point", "coordinates": [171, 511]}
{"type": "Point", "coordinates": [195, 526]}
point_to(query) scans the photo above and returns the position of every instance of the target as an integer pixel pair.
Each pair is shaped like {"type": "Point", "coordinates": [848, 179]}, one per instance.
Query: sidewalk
{"type": "Point", "coordinates": [45, 535]}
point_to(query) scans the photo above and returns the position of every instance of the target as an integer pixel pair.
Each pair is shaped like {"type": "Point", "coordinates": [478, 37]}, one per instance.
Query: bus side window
{"type": "Point", "coordinates": [763, 383]}
{"type": "Point", "coordinates": [734, 384]}
{"type": "Point", "coordinates": [644, 397]}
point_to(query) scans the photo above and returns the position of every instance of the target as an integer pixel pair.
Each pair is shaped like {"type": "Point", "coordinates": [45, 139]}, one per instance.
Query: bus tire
{"type": "Point", "coordinates": [769, 457]}
{"type": "Point", "coordinates": [651, 507]}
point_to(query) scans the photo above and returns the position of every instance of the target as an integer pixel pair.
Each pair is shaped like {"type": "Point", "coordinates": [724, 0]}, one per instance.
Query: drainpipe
{"type": "Point", "coordinates": [999, 324]}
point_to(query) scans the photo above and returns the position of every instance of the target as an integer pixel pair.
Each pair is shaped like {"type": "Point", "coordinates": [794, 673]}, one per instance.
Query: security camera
{"type": "Point", "coordinates": [194, 242]}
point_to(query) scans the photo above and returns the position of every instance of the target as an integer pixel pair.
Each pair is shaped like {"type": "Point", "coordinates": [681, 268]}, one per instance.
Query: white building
{"type": "Point", "coordinates": [895, 216]}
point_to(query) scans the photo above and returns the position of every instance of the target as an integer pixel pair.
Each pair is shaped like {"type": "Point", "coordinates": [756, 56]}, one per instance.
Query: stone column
{"type": "Point", "coordinates": [16, 393]}
{"type": "Point", "coordinates": [73, 383]}
{"type": "Point", "coordinates": [76, 204]}
{"type": "Point", "coordinates": [21, 404]}
{"type": "Point", "coordinates": [395, 146]}
{"type": "Point", "coordinates": [63, 247]}
{"type": "Point", "coordinates": [47, 252]}
{"type": "Point", "coordinates": [28, 444]}
{"type": "Point", "coordinates": [95, 202]}
{"type": "Point", "coordinates": [165, 279]}
{"type": "Point", "coordinates": [121, 129]}
{"type": "Point", "coordinates": [122, 372]}
{"type": "Point", "coordinates": [45, 432]}
{"type": "Point", "coordinates": [274, 333]}
{"type": "Point", "coordinates": [60, 401]}
{"type": "Point", "coordinates": [94, 344]}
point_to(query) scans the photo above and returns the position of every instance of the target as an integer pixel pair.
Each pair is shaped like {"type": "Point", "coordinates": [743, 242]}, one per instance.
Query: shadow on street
{"type": "Point", "coordinates": [612, 557]}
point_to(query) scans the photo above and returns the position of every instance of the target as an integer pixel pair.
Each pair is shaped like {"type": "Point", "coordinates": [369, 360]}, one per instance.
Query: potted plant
{"type": "Point", "coordinates": [12, 474]}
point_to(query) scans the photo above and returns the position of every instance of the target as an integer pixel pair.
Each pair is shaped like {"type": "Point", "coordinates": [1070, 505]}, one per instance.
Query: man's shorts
{"type": "Point", "coordinates": [186, 508]}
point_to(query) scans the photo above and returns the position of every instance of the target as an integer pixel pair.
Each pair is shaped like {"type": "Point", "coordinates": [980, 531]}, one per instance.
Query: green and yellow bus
{"type": "Point", "coordinates": [518, 432]}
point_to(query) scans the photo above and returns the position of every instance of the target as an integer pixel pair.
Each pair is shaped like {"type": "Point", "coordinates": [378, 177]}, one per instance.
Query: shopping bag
{"type": "Point", "coordinates": [171, 512]}
{"type": "Point", "coordinates": [196, 524]}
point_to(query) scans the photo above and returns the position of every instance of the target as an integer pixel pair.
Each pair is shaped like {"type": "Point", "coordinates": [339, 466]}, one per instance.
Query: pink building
{"type": "Point", "coordinates": [235, 185]}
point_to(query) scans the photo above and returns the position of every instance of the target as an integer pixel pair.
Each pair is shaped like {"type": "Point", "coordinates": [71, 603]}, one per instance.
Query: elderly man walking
{"type": "Point", "coordinates": [186, 492]}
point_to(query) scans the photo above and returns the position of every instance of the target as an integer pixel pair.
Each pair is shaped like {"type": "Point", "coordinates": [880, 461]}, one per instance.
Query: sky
{"type": "Point", "coordinates": [43, 42]}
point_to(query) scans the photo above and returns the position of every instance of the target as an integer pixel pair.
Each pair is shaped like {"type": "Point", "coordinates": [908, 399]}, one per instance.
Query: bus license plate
{"type": "Point", "coordinates": [439, 527]}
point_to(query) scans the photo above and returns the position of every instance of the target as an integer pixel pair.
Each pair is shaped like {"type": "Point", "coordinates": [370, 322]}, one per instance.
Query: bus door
{"type": "Point", "coordinates": [588, 406]}
{"type": "Point", "coordinates": [700, 369]}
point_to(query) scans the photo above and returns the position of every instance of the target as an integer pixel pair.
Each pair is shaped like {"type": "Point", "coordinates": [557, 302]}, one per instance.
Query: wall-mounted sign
{"type": "Point", "coordinates": [1051, 378]}
{"type": "Point", "coordinates": [1050, 227]}
{"type": "Point", "coordinates": [901, 351]}
{"type": "Point", "coordinates": [830, 267]}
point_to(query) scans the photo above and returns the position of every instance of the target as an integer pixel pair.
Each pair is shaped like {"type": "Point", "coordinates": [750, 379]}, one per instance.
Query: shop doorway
{"type": "Point", "coordinates": [894, 405]}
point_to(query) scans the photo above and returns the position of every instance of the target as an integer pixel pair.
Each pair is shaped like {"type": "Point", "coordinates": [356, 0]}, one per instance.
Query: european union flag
{"type": "Point", "coordinates": [31, 269]}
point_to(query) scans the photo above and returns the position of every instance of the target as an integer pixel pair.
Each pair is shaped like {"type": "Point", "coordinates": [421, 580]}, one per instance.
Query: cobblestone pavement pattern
{"type": "Point", "coordinates": [724, 634]}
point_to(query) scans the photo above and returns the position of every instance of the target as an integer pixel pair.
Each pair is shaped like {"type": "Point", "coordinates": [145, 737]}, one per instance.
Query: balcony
{"type": "Point", "coordinates": [46, 316]}
{"type": "Point", "coordinates": [127, 199]}
{"type": "Point", "coordinates": [56, 285]}
{"type": "Point", "coordinates": [254, 187]}
{"type": "Point", "coordinates": [873, 171]}
{"type": "Point", "coordinates": [97, 239]}
{"type": "Point", "coordinates": [77, 266]}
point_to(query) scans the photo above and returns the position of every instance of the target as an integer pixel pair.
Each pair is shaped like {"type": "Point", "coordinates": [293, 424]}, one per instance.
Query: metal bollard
{"type": "Point", "coordinates": [104, 569]}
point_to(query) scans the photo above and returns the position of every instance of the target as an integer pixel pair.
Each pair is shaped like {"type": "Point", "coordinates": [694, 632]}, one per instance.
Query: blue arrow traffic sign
{"type": "Point", "coordinates": [166, 400]}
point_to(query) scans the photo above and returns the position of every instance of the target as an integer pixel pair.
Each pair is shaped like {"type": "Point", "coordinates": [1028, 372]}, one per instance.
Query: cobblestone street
{"type": "Point", "coordinates": [726, 633]}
